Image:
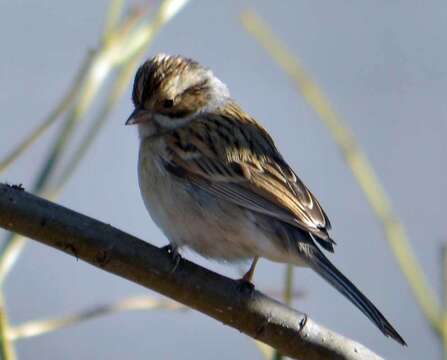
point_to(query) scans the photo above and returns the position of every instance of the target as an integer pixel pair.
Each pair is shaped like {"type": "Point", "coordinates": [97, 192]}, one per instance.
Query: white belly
{"type": "Point", "coordinates": [189, 216]}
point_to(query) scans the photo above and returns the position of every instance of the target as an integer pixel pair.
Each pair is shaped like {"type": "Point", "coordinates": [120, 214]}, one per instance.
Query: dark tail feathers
{"type": "Point", "coordinates": [324, 267]}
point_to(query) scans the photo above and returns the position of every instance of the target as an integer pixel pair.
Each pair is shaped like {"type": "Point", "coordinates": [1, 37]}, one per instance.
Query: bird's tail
{"type": "Point", "coordinates": [331, 274]}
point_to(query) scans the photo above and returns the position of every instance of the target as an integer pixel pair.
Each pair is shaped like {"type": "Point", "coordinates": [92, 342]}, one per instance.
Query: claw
{"type": "Point", "coordinates": [245, 286]}
{"type": "Point", "coordinates": [175, 256]}
{"type": "Point", "coordinates": [245, 283]}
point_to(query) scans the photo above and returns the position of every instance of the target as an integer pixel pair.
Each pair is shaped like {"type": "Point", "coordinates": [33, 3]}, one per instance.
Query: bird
{"type": "Point", "coordinates": [213, 180]}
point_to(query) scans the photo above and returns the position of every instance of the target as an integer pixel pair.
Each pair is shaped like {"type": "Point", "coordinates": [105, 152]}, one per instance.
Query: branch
{"type": "Point", "coordinates": [112, 250]}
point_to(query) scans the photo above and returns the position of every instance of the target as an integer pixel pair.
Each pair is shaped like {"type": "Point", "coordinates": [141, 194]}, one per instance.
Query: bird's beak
{"type": "Point", "coordinates": [139, 116]}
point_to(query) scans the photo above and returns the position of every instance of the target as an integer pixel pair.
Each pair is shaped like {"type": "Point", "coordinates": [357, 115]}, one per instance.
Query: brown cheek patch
{"type": "Point", "coordinates": [193, 102]}
{"type": "Point", "coordinates": [188, 104]}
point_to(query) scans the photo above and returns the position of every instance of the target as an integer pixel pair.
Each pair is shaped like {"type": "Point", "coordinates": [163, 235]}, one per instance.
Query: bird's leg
{"type": "Point", "coordinates": [248, 276]}
{"type": "Point", "coordinates": [245, 283]}
{"type": "Point", "coordinates": [172, 250]}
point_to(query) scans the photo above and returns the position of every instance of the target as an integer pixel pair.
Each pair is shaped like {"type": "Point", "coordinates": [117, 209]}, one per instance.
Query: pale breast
{"type": "Point", "coordinates": [156, 185]}
{"type": "Point", "coordinates": [189, 216]}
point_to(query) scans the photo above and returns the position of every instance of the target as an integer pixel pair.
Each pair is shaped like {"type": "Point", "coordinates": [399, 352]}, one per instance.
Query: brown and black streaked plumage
{"type": "Point", "coordinates": [213, 180]}
{"type": "Point", "coordinates": [239, 162]}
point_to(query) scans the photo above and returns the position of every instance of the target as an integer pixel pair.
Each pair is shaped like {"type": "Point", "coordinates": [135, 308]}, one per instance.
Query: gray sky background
{"type": "Point", "coordinates": [382, 64]}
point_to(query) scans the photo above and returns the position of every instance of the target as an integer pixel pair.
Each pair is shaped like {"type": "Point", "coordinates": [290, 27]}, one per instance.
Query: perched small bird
{"type": "Point", "coordinates": [212, 179]}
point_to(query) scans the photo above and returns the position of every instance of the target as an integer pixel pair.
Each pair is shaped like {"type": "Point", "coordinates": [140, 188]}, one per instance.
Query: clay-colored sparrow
{"type": "Point", "coordinates": [213, 180]}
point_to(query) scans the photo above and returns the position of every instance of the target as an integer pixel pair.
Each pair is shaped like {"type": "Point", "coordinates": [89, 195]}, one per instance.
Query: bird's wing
{"type": "Point", "coordinates": [233, 157]}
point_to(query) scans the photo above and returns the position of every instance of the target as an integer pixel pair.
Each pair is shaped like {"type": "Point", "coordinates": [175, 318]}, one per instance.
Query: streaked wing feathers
{"type": "Point", "coordinates": [245, 169]}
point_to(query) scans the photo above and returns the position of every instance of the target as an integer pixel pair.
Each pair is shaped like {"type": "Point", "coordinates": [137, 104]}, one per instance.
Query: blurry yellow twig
{"type": "Point", "coordinates": [140, 37]}
{"type": "Point", "coordinates": [40, 327]}
{"type": "Point", "coordinates": [10, 252]}
{"type": "Point", "coordinates": [64, 104]}
{"type": "Point", "coordinates": [266, 350]}
{"type": "Point", "coordinates": [112, 18]}
{"type": "Point", "coordinates": [444, 299]}
{"type": "Point", "coordinates": [7, 351]}
{"type": "Point", "coordinates": [359, 165]}
{"type": "Point", "coordinates": [288, 288]}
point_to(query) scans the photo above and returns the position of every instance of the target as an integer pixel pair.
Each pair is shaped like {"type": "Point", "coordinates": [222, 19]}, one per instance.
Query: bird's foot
{"type": "Point", "coordinates": [174, 254]}
{"type": "Point", "coordinates": [245, 286]}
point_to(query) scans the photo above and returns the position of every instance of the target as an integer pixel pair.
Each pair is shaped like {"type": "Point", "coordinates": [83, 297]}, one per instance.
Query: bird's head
{"type": "Point", "coordinates": [168, 91]}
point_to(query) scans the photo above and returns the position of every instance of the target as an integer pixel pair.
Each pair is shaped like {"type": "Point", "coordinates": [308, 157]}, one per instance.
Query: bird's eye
{"type": "Point", "coordinates": [168, 103]}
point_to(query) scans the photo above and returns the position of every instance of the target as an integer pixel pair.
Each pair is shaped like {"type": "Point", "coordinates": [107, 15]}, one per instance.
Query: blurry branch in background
{"type": "Point", "coordinates": [113, 17]}
{"type": "Point", "coordinates": [61, 108]}
{"type": "Point", "coordinates": [267, 351]}
{"type": "Point", "coordinates": [7, 351]}
{"type": "Point", "coordinates": [360, 167]}
{"type": "Point", "coordinates": [444, 298]}
{"type": "Point", "coordinates": [124, 42]}
{"type": "Point", "coordinates": [224, 299]}
{"type": "Point", "coordinates": [41, 327]}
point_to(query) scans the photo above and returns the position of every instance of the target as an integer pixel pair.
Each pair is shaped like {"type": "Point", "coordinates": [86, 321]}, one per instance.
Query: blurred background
{"type": "Point", "coordinates": [381, 63]}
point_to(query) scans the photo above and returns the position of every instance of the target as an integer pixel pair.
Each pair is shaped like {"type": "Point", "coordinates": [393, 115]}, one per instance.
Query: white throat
{"type": "Point", "coordinates": [146, 130]}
